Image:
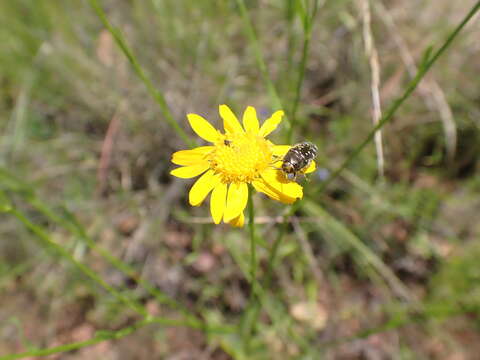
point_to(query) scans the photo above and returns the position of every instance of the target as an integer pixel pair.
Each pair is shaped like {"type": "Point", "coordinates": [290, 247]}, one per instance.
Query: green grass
{"type": "Point", "coordinates": [390, 263]}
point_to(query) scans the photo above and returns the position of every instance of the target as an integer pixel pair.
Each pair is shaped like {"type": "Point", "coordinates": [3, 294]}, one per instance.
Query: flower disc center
{"type": "Point", "coordinates": [241, 157]}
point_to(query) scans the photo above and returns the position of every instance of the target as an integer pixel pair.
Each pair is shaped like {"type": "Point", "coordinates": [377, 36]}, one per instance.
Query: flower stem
{"type": "Point", "coordinates": [250, 314]}
{"type": "Point", "coordinates": [253, 251]}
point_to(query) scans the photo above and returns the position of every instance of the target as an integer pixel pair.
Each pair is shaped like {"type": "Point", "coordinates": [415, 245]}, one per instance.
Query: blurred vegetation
{"type": "Point", "coordinates": [97, 239]}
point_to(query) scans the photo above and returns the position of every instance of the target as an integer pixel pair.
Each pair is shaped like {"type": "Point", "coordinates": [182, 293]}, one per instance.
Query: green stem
{"type": "Point", "coordinates": [253, 251]}
{"type": "Point", "coordinates": [45, 238]}
{"type": "Point", "coordinates": [424, 68]}
{"type": "Point", "coordinates": [189, 320]}
{"type": "Point", "coordinates": [152, 90]}
{"type": "Point", "coordinates": [291, 43]}
{"type": "Point", "coordinates": [70, 223]}
{"type": "Point", "coordinates": [308, 27]}
{"type": "Point", "coordinates": [255, 312]}
{"type": "Point", "coordinates": [252, 37]}
{"type": "Point", "coordinates": [250, 314]}
{"type": "Point", "coordinates": [98, 338]}
{"type": "Point", "coordinates": [301, 75]}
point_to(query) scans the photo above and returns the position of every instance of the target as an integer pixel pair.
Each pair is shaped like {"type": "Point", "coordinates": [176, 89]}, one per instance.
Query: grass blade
{"type": "Point", "coordinates": [426, 65]}
{"type": "Point", "coordinates": [152, 90]}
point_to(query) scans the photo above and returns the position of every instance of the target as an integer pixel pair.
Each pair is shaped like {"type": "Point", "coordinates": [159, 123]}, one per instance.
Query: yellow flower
{"type": "Point", "coordinates": [236, 158]}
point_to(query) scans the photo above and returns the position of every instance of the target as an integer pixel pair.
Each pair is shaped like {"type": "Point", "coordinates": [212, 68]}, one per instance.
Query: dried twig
{"type": "Point", "coordinates": [372, 55]}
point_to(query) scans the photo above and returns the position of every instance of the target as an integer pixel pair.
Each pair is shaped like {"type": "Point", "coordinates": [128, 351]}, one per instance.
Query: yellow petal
{"type": "Point", "coordinates": [310, 168]}
{"type": "Point", "coordinates": [203, 128]}
{"type": "Point", "coordinates": [230, 122]}
{"type": "Point", "coordinates": [202, 187]}
{"type": "Point", "coordinates": [191, 157]}
{"type": "Point", "coordinates": [237, 199]}
{"type": "Point", "coordinates": [271, 123]}
{"type": "Point", "coordinates": [238, 221]}
{"type": "Point", "coordinates": [280, 183]}
{"type": "Point", "coordinates": [263, 187]}
{"type": "Point", "coordinates": [187, 172]}
{"type": "Point", "coordinates": [280, 150]}
{"type": "Point", "coordinates": [250, 120]}
{"type": "Point", "coordinates": [218, 202]}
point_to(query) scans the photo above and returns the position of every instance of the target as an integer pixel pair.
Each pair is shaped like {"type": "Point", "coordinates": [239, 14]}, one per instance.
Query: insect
{"type": "Point", "coordinates": [227, 142]}
{"type": "Point", "coordinates": [298, 158]}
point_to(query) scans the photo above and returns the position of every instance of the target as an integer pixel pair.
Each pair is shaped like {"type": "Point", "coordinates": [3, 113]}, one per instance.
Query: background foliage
{"type": "Point", "coordinates": [97, 240]}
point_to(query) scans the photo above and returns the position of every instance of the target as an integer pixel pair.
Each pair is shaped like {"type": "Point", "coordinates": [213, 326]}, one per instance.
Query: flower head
{"type": "Point", "coordinates": [236, 158]}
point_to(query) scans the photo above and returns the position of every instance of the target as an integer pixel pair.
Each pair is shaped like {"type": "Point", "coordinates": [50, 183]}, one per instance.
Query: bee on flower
{"type": "Point", "coordinates": [236, 158]}
{"type": "Point", "coordinates": [298, 159]}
